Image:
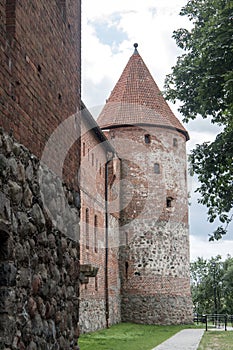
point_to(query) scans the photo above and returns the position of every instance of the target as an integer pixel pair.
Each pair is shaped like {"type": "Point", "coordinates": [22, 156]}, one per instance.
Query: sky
{"type": "Point", "coordinates": [109, 30]}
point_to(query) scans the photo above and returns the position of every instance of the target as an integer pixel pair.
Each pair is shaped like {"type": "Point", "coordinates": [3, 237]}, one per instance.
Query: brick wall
{"type": "Point", "coordinates": [97, 297]}
{"type": "Point", "coordinates": [154, 249]}
{"type": "Point", "coordinates": [40, 72]}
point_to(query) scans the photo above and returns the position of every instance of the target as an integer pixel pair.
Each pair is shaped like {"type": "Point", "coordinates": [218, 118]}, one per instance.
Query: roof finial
{"type": "Point", "coordinates": [135, 50]}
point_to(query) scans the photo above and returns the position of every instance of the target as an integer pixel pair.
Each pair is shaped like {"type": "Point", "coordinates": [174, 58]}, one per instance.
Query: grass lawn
{"type": "Point", "coordinates": [217, 340]}
{"type": "Point", "coordinates": [128, 336]}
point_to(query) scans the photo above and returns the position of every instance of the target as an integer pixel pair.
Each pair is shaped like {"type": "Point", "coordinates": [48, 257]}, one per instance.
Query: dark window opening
{"type": "Point", "coordinates": [156, 168]}
{"type": "Point", "coordinates": [169, 202]}
{"type": "Point", "coordinates": [137, 273]}
{"type": "Point", "coordinates": [96, 233]}
{"type": "Point", "coordinates": [62, 6]}
{"type": "Point", "coordinates": [147, 138]}
{"type": "Point", "coordinates": [87, 228]}
{"type": "Point", "coordinates": [96, 283]}
{"type": "Point", "coordinates": [175, 142]}
{"type": "Point", "coordinates": [92, 159]}
{"type": "Point", "coordinates": [84, 149]}
{"type": "Point", "coordinates": [126, 269]}
{"type": "Point", "coordinates": [10, 17]}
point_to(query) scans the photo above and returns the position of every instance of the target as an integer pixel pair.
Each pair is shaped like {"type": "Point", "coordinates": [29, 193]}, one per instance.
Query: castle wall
{"type": "Point", "coordinates": [41, 73]}
{"type": "Point", "coordinates": [39, 263]}
{"type": "Point", "coordinates": [99, 299]}
{"type": "Point", "coordinates": [39, 208]}
{"type": "Point", "coordinates": [154, 249]}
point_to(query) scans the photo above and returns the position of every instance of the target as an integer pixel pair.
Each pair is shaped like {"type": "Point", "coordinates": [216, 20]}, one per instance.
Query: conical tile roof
{"type": "Point", "coordinates": [137, 100]}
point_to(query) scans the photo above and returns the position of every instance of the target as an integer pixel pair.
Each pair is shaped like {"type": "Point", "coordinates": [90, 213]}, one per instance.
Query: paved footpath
{"type": "Point", "coordinates": [187, 339]}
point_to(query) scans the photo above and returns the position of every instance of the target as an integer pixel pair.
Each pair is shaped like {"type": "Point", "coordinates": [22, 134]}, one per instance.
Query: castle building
{"type": "Point", "coordinates": [149, 205]}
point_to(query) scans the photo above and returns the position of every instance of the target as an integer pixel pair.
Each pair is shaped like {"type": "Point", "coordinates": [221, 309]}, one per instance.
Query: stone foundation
{"type": "Point", "coordinates": [39, 261]}
{"type": "Point", "coordinates": [92, 314]}
{"type": "Point", "coordinates": [157, 309]}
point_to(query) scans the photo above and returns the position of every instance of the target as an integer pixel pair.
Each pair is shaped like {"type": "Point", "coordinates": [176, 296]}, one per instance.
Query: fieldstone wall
{"type": "Point", "coordinates": [154, 246]}
{"type": "Point", "coordinates": [156, 309]}
{"type": "Point", "coordinates": [39, 254]}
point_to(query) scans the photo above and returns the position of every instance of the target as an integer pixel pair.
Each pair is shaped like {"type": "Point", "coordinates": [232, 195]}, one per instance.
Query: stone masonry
{"type": "Point", "coordinates": [39, 264]}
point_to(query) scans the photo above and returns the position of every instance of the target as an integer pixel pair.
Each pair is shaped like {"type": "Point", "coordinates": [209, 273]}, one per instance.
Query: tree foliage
{"type": "Point", "coordinates": [202, 81]}
{"type": "Point", "coordinates": [212, 285]}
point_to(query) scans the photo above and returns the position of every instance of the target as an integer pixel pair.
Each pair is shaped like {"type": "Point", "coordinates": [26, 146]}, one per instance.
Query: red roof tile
{"type": "Point", "coordinates": [136, 99]}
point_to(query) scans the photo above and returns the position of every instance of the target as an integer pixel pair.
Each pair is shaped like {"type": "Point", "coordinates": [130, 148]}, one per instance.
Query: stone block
{"type": "Point", "coordinates": [7, 274]}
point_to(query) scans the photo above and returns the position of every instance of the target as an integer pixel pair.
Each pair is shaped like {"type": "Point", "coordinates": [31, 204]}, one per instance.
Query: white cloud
{"type": "Point", "coordinates": [206, 249]}
{"type": "Point", "coordinates": [149, 22]}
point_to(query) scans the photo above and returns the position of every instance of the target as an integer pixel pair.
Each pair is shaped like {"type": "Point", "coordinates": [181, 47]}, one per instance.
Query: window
{"type": "Point", "coordinates": [126, 269]}
{"type": "Point", "coordinates": [147, 138]}
{"type": "Point", "coordinates": [96, 233]}
{"type": "Point", "coordinates": [62, 6]}
{"type": "Point", "coordinates": [84, 149]}
{"type": "Point", "coordinates": [92, 159]}
{"type": "Point", "coordinates": [96, 283]}
{"type": "Point", "coordinates": [156, 168]}
{"type": "Point", "coordinates": [175, 142]}
{"type": "Point", "coordinates": [87, 228]}
{"type": "Point", "coordinates": [169, 202]}
{"type": "Point", "coordinates": [10, 17]}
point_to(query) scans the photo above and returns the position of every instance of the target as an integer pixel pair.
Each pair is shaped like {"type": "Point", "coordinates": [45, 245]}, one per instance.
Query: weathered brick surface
{"type": "Point", "coordinates": [97, 297]}
{"type": "Point", "coordinates": [40, 72]}
{"type": "Point", "coordinates": [154, 253]}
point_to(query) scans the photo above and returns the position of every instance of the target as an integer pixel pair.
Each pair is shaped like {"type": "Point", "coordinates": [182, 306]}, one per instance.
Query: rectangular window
{"type": "Point", "coordinates": [62, 6]}
{"type": "Point", "coordinates": [147, 138]}
{"type": "Point", "coordinates": [96, 283]}
{"type": "Point", "coordinates": [156, 168]}
{"type": "Point", "coordinates": [175, 142]}
{"type": "Point", "coordinates": [87, 228]}
{"type": "Point", "coordinates": [84, 149]}
{"type": "Point", "coordinates": [10, 17]}
{"type": "Point", "coordinates": [169, 202]}
{"type": "Point", "coordinates": [96, 233]}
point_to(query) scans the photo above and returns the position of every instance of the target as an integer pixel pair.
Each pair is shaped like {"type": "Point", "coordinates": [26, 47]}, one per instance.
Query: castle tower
{"type": "Point", "coordinates": [154, 251]}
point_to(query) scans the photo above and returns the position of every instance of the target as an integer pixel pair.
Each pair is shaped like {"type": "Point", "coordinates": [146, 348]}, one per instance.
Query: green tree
{"type": "Point", "coordinates": [202, 80]}
{"type": "Point", "coordinates": [212, 285]}
{"type": "Point", "coordinates": [228, 285]}
{"type": "Point", "coordinates": [206, 285]}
